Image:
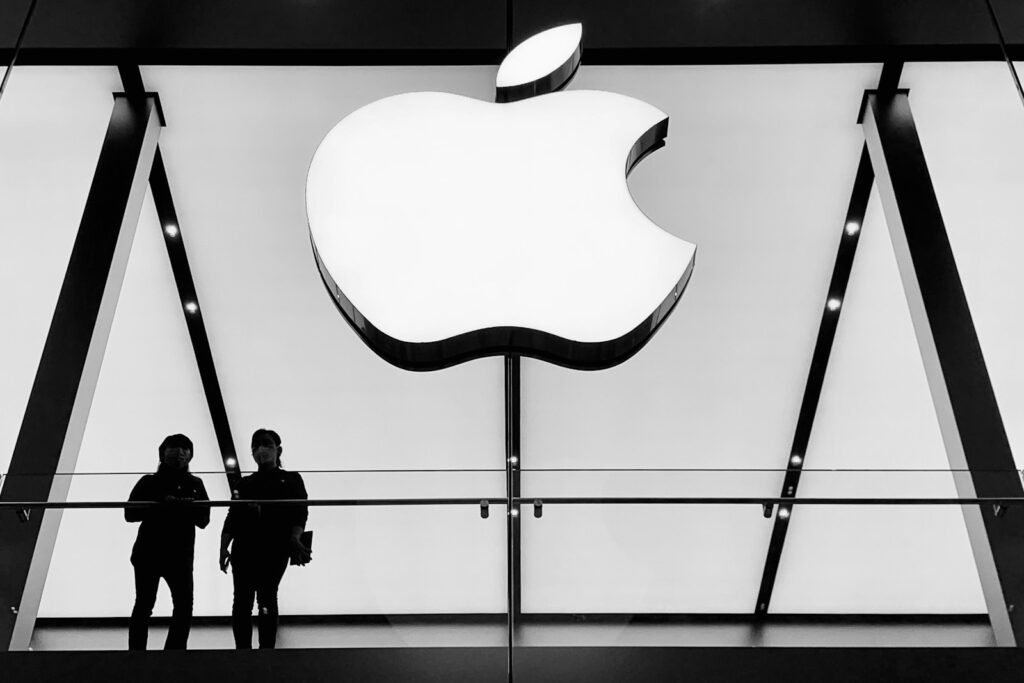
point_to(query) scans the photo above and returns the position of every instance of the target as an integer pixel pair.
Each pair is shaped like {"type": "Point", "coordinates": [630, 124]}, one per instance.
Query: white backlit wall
{"type": "Point", "coordinates": [757, 171]}
{"type": "Point", "coordinates": [971, 124]}
{"type": "Point", "coordinates": [720, 384]}
{"type": "Point", "coordinates": [288, 361]}
{"type": "Point", "coordinates": [51, 131]}
{"type": "Point", "coordinates": [237, 158]}
{"type": "Point", "coordinates": [876, 412]}
{"type": "Point", "coordinates": [148, 387]}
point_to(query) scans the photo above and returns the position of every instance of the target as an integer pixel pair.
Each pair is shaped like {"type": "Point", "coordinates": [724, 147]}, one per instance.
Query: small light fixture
{"type": "Point", "coordinates": [783, 513]}
{"type": "Point", "coordinates": [191, 306]}
{"type": "Point", "coordinates": [514, 460]}
{"type": "Point", "coordinates": [171, 230]}
{"type": "Point", "coordinates": [852, 228]}
{"type": "Point", "coordinates": [833, 304]}
{"type": "Point", "coordinates": [230, 462]}
{"type": "Point", "coordinates": [795, 460]}
{"type": "Point", "coordinates": [515, 512]}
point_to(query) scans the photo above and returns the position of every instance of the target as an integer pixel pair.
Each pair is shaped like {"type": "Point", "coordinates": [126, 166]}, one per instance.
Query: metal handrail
{"type": "Point", "coordinates": [527, 500]}
{"type": "Point", "coordinates": [552, 469]}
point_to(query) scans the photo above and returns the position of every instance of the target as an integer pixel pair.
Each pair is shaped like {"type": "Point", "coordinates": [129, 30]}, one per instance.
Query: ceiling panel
{"type": "Point", "coordinates": [753, 31]}
{"type": "Point", "coordinates": [222, 26]}
{"type": "Point", "coordinates": [412, 32]}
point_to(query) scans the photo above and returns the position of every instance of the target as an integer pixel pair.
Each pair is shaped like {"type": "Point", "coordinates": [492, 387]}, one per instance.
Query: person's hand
{"type": "Point", "coordinates": [172, 500]}
{"type": "Point", "coordinates": [300, 554]}
{"type": "Point", "coordinates": [225, 559]}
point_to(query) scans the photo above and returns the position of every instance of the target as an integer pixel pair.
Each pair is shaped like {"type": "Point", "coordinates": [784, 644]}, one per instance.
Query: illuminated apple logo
{"type": "Point", "coordinates": [448, 228]}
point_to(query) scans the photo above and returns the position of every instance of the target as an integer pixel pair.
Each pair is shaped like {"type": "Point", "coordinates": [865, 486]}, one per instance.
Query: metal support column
{"type": "Point", "coordinates": [796, 458]}
{"type": "Point", "coordinates": [62, 393]}
{"type": "Point", "coordinates": [174, 240]}
{"type": "Point", "coordinates": [512, 492]}
{"type": "Point", "coordinates": [969, 418]}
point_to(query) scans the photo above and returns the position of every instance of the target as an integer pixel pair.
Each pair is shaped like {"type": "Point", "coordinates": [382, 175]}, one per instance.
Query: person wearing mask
{"type": "Point", "coordinates": [165, 545]}
{"type": "Point", "coordinates": [259, 540]}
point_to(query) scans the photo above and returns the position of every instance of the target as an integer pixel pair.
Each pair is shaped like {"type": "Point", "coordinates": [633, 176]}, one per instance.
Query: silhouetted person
{"type": "Point", "coordinates": [166, 542]}
{"type": "Point", "coordinates": [262, 539]}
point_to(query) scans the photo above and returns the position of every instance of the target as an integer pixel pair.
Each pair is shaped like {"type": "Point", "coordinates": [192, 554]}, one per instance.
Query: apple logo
{"type": "Point", "coordinates": [447, 228]}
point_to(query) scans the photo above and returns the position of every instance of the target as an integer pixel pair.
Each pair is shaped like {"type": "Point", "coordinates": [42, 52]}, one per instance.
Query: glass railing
{"type": "Point", "coordinates": [623, 557]}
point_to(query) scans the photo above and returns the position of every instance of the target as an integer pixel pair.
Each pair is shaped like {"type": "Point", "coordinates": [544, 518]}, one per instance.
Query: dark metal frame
{"type": "Point", "coordinates": [513, 525]}
{"type": "Point", "coordinates": [965, 403]}
{"type": "Point", "coordinates": [1006, 502]}
{"type": "Point", "coordinates": [377, 32]}
{"type": "Point", "coordinates": [535, 664]}
{"type": "Point", "coordinates": [797, 456]}
{"type": "Point", "coordinates": [174, 240]}
{"type": "Point", "coordinates": [58, 406]}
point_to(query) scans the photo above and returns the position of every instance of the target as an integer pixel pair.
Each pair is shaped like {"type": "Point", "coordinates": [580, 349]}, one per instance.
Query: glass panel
{"type": "Point", "coordinates": [878, 560]}
{"type": "Point", "coordinates": [384, 574]}
{"type": "Point", "coordinates": [646, 575]}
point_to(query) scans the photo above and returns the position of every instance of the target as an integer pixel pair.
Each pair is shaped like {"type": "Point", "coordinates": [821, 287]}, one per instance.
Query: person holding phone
{"type": "Point", "coordinates": [258, 540]}
{"type": "Point", "coordinates": [165, 545]}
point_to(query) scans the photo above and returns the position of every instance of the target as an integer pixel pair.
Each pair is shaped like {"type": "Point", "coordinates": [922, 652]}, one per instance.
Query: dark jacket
{"type": "Point", "coordinates": [260, 530]}
{"type": "Point", "coordinates": [167, 534]}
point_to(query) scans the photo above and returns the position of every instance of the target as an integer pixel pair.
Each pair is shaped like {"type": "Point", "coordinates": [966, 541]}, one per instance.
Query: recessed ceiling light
{"type": "Point", "coordinates": [191, 307]}
{"type": "Point", "coordinates": [833, 304]}
{"type": "Point", "coordinates": [171, 230]}
{"type": "Point", "coordinates": [783, 513]}
{"type": "Point", "coordinates": [852, 228]}
{"type": "Point", "coordinates": [795, 460]}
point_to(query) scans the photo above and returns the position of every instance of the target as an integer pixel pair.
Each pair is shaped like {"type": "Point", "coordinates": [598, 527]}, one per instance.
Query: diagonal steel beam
{"type": "Point", "coordinates": [965, 403]}
{"type": "Point", "coordinates": [58, 406]}
{"type": "Point", "coordinates": [819, 360]}
{"type": "Point", "coordinates": [190, 307]}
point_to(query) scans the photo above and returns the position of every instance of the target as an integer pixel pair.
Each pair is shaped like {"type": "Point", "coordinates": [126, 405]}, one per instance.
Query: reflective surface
{"type": "Point", "coordinates": [404, 559]}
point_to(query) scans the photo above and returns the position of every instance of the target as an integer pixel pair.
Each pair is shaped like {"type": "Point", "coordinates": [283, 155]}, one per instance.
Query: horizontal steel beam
{"type": "Point", "coordinates": [352, 32]}
{"type": "Point", "coordinates": [534, 664]}
{"type": "Point", "coordinates": [1003, 501]}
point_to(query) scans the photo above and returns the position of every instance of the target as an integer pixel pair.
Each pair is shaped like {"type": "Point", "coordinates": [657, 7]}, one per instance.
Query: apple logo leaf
{"type": "Point", "coordinates": [541, 64]}
{"type": "Point", "coordinates": [447, 228]}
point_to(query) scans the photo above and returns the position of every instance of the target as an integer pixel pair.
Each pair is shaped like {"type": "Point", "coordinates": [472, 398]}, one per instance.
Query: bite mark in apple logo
{"type": "Point", "coordinates": [447, 228]}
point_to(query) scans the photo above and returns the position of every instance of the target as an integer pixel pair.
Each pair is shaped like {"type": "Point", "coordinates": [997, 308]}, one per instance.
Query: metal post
{"type": "Point", "coordinates": [512, 492]}
{"type": "Point", "coordinates": [969, 418]}
{"type": "Point", "coordinates": [61, 396]}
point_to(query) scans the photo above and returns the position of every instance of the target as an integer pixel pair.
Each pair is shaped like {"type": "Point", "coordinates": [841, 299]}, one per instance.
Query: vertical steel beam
{"type": "Point", "coordinates": [58, 406]}
{"type": "Point", "coordinates": [969, 418]}
{"type": "Point", "coordinates": [512, 493]}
